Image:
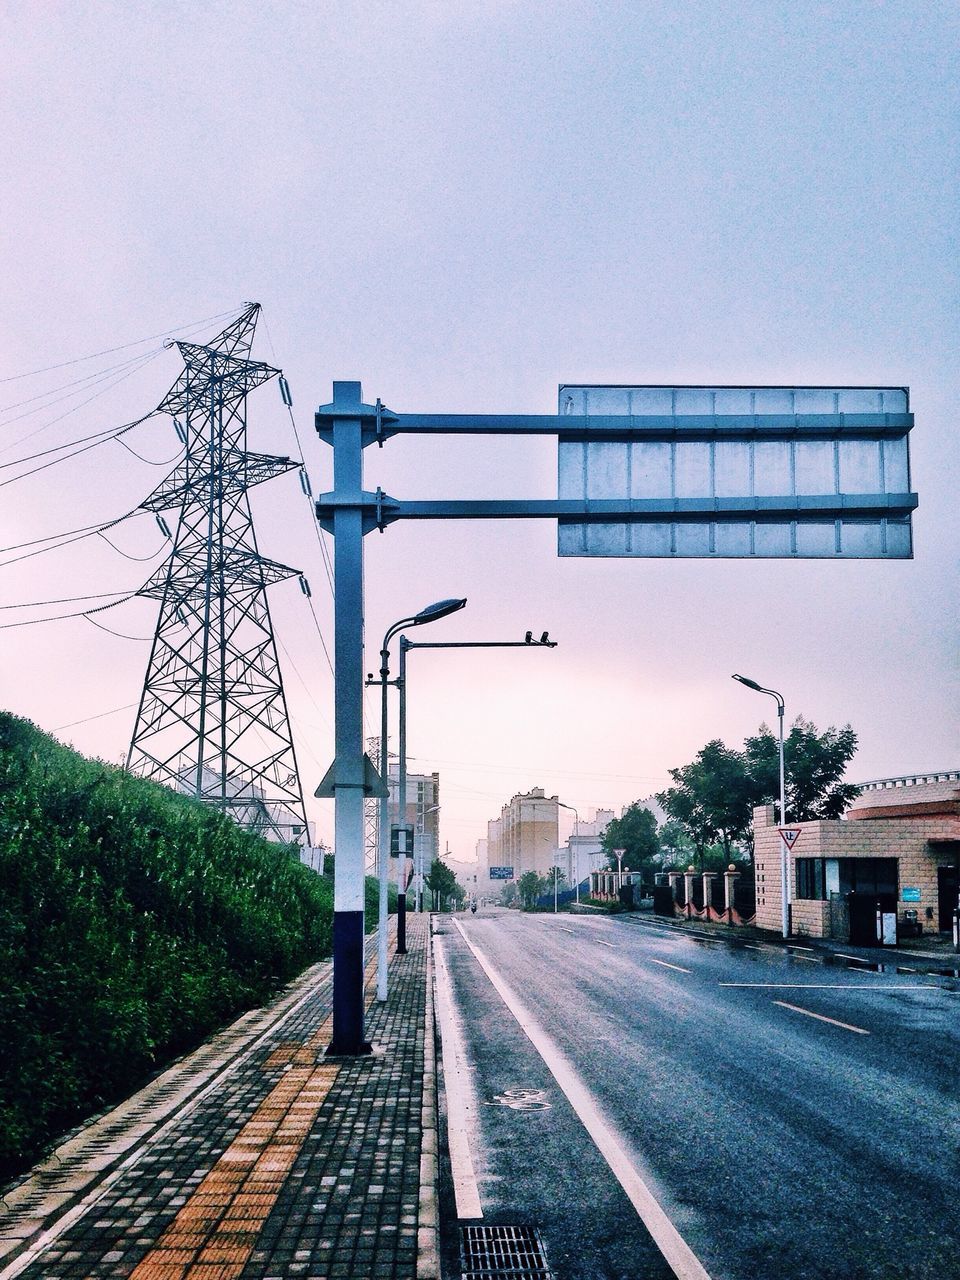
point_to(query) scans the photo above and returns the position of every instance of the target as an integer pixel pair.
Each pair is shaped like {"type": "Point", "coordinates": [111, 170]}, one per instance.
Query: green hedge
{"type": "Point", "coordinates": [133, 922]}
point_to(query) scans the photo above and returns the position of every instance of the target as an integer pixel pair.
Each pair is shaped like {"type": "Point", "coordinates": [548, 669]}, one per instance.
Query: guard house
{"type": "Point", "coordinates": [900, 842]}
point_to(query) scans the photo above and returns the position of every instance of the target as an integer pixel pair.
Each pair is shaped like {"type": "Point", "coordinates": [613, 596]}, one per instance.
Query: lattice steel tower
{"type": "Point", "coordinates": [212, 719]}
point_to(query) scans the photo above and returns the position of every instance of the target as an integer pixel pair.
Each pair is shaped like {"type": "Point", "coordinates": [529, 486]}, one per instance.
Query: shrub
{"type": "Point", "coordinates": [133, 922]}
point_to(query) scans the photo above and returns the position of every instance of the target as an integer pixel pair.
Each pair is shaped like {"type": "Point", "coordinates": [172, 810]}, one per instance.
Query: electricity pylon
{"type": "Point", "coordinates": [212, 719]}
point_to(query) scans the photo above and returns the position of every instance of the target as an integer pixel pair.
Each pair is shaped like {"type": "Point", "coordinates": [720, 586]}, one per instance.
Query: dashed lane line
{"type": "Point", "coordinates": [666, 965]}
{"type": "Point", "coordinates": [808, 1013]}
{"type": "Point", "coordinates": [837, 986]}
{"type": "Point", "coordinates": [678, 1254]}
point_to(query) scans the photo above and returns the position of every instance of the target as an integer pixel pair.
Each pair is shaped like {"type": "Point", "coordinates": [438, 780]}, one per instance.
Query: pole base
{"type": "Point", "coordinates": [348, 1039]}
{"type": "Point", "coordinates": [401, 924]}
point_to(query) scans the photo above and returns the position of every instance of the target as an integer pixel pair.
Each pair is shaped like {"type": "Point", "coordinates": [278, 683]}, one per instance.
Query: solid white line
{"type": "Point", "coordinates": [678, 968]}
{"type": "Point", "coordinates": [820, 1017]}
{"type": "Point", "coordinates": [459, 1090]}
{"type": "Point", "coordinates": [681, 1258]}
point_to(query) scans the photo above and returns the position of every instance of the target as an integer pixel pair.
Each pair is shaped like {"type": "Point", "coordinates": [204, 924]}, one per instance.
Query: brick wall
{"type": "Point", "coordinates": [906, 839]}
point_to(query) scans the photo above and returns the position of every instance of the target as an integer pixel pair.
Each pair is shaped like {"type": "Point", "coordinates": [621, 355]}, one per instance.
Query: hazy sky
{"type": "Point", "coordinates": [464, 205]}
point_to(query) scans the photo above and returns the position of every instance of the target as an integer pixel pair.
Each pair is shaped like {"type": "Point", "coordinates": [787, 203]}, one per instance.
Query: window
{"type": "Point", "coordinates": [811, 879]}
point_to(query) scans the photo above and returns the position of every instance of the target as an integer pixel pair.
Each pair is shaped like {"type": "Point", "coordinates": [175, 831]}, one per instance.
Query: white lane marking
{"type": "Point", "coordinates": [600, 943]}
{"type": "Point", "coordinates": [836, 986]}
{"type": "Point", "coordinates": [681, 1258]}
{"type": "Point", "coordinates": [461, 1105]}
{"type": "Point", "coordinates": [678, 967]}
{"type": "Point", "coordinates": [807, 959]}
{"type": "Point", "coordinates": [794, 947]}
{"type": "Point", "coordinates": [563, 930]}
{"type": "Point", "coordinates": [859, 959]}
{"type": "Point", "coordinates": [821, 1018]}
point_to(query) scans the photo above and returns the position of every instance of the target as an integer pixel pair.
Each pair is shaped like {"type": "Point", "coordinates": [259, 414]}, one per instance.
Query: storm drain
{"type": "Point", "coordinates": [502, 1253]}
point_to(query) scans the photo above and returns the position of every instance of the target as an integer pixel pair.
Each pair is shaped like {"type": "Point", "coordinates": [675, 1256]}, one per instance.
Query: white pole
{"type": "Point", "coordinates": [784, 873]}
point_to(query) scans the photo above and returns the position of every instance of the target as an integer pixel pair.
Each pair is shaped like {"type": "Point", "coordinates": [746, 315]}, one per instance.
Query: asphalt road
{"type": "Point", "coordinates": [793, 1120]}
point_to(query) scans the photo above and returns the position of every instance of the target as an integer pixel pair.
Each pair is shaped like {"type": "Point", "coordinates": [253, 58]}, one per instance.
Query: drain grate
{"type": "Point", "coordinates": [502, 1253]}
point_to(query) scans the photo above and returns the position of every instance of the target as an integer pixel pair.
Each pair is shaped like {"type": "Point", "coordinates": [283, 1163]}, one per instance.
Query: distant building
{"type": "Point", "coordinates": [899, 847]}
{"type": "Point", "coordinates": [422, 811]}
{"type": "Point", "coordinates": [524, 838]}
{"type": "Point", "coordinates": [583, 852]}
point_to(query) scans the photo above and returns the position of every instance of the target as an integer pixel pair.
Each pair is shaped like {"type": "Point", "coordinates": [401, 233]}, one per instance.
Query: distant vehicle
{"type": "Point", "coordinates": [473, 908]}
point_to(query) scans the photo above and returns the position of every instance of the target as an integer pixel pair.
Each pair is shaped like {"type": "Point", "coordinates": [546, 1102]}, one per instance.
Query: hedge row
{"type": "Point", "coordinates": [133, 922]}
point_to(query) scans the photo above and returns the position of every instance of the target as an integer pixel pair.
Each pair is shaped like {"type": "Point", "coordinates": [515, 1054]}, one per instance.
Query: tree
{"type": "Point", "coordinates": [557, 875]}
{"type": "Point", "coordinates": [444, 884]}
{"type": "Point", "coordinates": [814, 764]}
{"type": "Point", "coordinates": [675, 845]}
{"type": "Point", "coordinates": [530, 886]}
{"type": "Point", "coordinates": [636, 832]}
{"type": "Point", "coordinates": [683, 805]}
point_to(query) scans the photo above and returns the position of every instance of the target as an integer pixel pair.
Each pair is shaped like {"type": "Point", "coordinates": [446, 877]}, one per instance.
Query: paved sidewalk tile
{"type": "Point", "coordinates": [293, 1167]}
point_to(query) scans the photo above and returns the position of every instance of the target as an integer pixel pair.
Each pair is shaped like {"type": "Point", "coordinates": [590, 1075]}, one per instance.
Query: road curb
{"type": "Point", "coordinates": [428, 1223]}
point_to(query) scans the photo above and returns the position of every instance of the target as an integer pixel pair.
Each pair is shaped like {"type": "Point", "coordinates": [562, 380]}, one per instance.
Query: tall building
{"type": "Point", "coordinates": [422, 810]}
{"type": "Point", "coordinates": [525, 836]}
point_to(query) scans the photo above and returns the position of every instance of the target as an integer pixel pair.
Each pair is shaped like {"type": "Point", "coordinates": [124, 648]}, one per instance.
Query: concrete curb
{"type": "Point", "coordinates": [428, 1221]}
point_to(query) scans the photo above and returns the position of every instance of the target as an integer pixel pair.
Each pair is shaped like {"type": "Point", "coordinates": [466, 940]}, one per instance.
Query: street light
{"type": "Point", "coordinates": [432, 613]}
{"type": "Point", "coordinates": [406, 645]}
{"type": "Point", "coordinates": [784, 878]}
{"type": "Point", "coordinates": [418, 835]}
{"type": "Point", "coordinates": [576, 847]}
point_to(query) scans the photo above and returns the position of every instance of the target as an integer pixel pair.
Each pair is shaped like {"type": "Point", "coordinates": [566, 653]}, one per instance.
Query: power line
{"type": "Point", "coordinates": [36, 604]}
{"type": "Point", "coordinates": [93, 379]}
{"type": "Point", "coordinates": [86, 719]}
{"type": "Point", "coordinates": [109, 351]}
{"type": "Point", "coordinates": [62, 617]}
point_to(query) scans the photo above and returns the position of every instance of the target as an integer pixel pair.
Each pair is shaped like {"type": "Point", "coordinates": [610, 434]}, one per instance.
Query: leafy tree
{"type": "Point", "coordinates": [442, 882]}
{"type": "Point", "coordinates": [508, 893]}
{"type": "Point", "coordinates": [675, 845]}
{"type": "Point", "coordinates": [529, 887]}
{"type": "Point", "coordinates": [636, 832]}
{"type": "Point", "coordinates": [557, 875]}
{"type": "Point", "coordinates": [683, 805]}
{"type": "Point", "coordinates": [814, 764]}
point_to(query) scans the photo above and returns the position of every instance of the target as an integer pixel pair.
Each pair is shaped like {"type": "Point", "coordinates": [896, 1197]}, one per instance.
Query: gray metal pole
{"type": "Point", "coordinates": [402, 768]}
{"type": "Point", "coordinates": [383, 833]}
{"type": "Point", "coordinates": [348, 1037]}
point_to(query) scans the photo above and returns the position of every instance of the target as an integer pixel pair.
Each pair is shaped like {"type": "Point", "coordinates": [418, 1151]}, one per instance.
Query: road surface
{"type": "Point", "coordinates": [657, 1105]}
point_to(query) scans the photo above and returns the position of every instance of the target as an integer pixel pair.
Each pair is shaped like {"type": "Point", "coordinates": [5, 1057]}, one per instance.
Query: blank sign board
{"type": "Point", "coordinates": [806, 472]}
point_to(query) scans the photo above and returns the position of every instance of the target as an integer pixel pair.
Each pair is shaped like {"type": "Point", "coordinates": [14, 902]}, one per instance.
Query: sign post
{"type": "Point", "coordinates": [742, 472]}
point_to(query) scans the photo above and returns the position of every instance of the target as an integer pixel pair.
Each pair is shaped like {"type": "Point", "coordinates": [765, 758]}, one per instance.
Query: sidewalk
{"type": "Point", "coordinates": [253, 1157]}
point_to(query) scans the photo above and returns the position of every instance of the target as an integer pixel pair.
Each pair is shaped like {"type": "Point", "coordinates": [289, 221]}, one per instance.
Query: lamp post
{"type": "Point", "coordinates": [576, 848]}
{"type": "Point", "coordinates": [432, 613]}
{"type": "Point", "coordinates": [784, 878]}
{"type": "Point", "coordinates": [418, 855]}
{"type": "Point", "coordinates": [406, 645]}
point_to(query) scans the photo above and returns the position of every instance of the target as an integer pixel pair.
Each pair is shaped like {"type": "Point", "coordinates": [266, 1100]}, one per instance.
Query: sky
{"type": "Point", "coordinates": [463, 206]}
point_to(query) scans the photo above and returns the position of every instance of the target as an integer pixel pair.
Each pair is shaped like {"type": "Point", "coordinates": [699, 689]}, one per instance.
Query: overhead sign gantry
{"type": "Point", "coordinates": [666, 471]}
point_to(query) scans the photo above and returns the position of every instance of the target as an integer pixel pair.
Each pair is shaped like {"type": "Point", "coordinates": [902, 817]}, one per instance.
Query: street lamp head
{"type": "Point", "coordinates": [435, 611]}
{"type": "Point", "coordinates": [751, 684]}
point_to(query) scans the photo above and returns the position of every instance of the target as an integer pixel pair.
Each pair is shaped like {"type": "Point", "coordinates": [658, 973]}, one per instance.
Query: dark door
{"type": "Point", "coordinates": [947, 894]}
{"type": "Point", "coordinates": [864, 927]}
